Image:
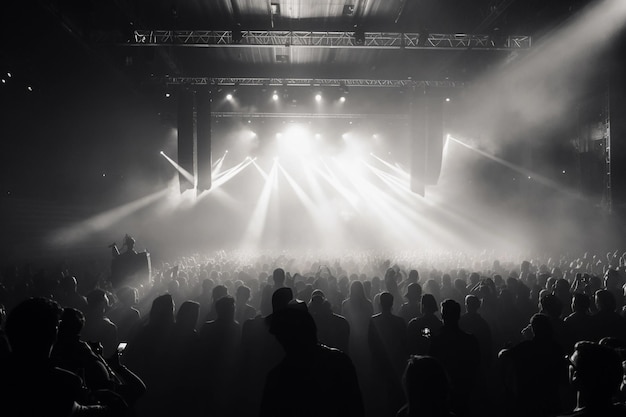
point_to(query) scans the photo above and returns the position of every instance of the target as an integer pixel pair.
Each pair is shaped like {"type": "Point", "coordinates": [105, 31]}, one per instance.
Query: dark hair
{"type": "Point", "coordinates": [32, 324]}
{"type": "Point", "coordinates": [598, 369]}
{"type": "Point", "coordinates": [386, 301]}
{"type": "Point", "coordinates": [72, 322]}
{"type": "Point", "coordinates": [426, 383]}
{"type": "Point", "coordinates": [450, 311]}
{"type": "Point", "coordinates": [225, 307]}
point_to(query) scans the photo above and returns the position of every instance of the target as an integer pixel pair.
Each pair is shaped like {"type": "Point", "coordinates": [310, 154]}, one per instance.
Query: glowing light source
{"type": "Point", "coordinates": [447, 99]}
{"type": "Point", "coordinates": [4, 81]}
{"type": "Point", "coordinates": [9, 74]}
{"type": "Point", "coordinates": [342, 99]}
{"type": "Point", "coordinates": [275, 96]}
{"type": "Point", "coordinates": [229, 97]}
{"type": "Point", "coordinates": [318, 97]}
{"type": "Point", "coordinates": [29, 88]}
{"type": "Point", "coordinates": [167, 95]}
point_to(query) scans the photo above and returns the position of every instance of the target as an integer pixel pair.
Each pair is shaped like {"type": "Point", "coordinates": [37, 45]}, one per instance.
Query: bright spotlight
{"type": "Point", "coordinates": [229, 97]}
{"type": "Point", "coordinates": [29, 88]}
{"type": "Point", "coordinates": [167, 95]}
{"type": "Point", "coordinates": [9, 74]}
{"type": "Point", "coordinates": [342, 99]}
{"type": "Point", "coordinates": [4, 81]}
{"type": "Point", "coordinates": [564, 171]}
{"type": "Point", "coordinates": [448, 99]}
{"type": "Point", "coordinates": [318, 97]}
{"type": "Point", "coordinates": [162, 153]}
{"type": "Point", "coordinates": [275, 96]}
{"type": "Point", "coordinates": [226, 151]}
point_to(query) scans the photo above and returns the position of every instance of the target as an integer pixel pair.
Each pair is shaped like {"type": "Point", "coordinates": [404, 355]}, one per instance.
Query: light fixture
{"type": "Point", "coordinates": [229, 97]}
{"type": "Point", "coordinates": [318, 97]}
{"type": "Point", "coordinates": [275, 96]}
{"type": "Point", "coordinates": [342, 99]}
{"type": "Point", "coordinates": [167, 95]}
{"type": "Point", "coordinates": [275, 8]}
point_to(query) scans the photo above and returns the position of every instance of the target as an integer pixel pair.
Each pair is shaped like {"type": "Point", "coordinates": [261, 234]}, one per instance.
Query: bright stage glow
{"type": "Point", "coordinates": [229, 97]}
{"type": "Point", "coordinates": [167, 95]}
{"type": "Point", "coordinates": [318, 97]}
{"type": "Point", "coordinates": [342, 99]}
{"type": "Point", "coordinates": [275, 96]}
{"type": "Point", "coordinates": [180, 169]}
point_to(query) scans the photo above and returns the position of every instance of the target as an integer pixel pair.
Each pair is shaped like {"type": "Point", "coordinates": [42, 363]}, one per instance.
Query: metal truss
{"type": "Point", "coordinates": [325, 116]}
{"type": "Point", "coordinates": [372, 40]}
{"type": "Point", "coordinates": [311, 82]}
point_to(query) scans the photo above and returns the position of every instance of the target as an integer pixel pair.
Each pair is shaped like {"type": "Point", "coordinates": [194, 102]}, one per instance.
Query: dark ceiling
{"type": "Point", "coordinates": [40, 33]}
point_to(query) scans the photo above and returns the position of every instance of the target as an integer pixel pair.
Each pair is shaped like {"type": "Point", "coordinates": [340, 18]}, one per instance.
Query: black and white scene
{"type": "Point", "coordinates": [313, 208]}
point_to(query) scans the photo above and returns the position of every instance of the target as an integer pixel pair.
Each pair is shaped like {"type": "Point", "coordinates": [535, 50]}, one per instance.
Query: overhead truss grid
{"type": "Point", "coordinates": [311, 82]}
{"type": "Point", "coordinates": [374, 40]}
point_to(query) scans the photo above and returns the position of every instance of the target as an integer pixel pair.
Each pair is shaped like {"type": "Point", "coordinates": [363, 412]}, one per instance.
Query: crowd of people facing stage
{"type": "Point", "coordinates": [364, 335]}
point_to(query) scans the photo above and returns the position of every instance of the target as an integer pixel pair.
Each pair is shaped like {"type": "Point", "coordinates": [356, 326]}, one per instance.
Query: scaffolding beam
{"type": "Point", "coordinates": [371, 40]}
{"type": "Point", "coordinates": [310, 82]}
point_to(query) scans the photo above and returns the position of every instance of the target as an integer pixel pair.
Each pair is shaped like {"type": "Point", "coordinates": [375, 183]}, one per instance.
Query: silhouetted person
{"type": "Point", "coordinates": [358, 309]}
{"type": "Point", "coordinates": [68, 294]}
{"type": "Point", "coordinates": [534, 371]}
{"type": "Point", "coordinates": [219, 291]}
{"type": "Point", "coordinates": [125, 316]}
{"type": "Point", "coordinates": [150, 355]}
{"type": "Point", "coordinates": [421, 329]}
{"type": "Point", "coordinates": [607, 322]}
{"type": "Point", "coordinates": [411, 309]}
{"type": "Point", "coordinates": [427, 389]}
{"type": "Point", "coordinates": [30, 384]}
{"type": "Point", "coordinates": [387, 342]}
{"type": "Point", "coordinates": [278, 279]}
{"type": "Point", "coordinates": [74, 355]}
{"type": "Point", "coordinates": [551, 306]}
{"type": "Point", "coordinates": [579, 323]}
{"type": "Point", "coordinates": [312, 379]}
{"type": "Point", "coordinates": [596, 374]}
{"type": "Point", "coordinates": [333, 330]}
{"type": "Point", "coordinates": [472, 322]}
{"type": "Point", "coordinates": [261, 352]}
{"type": "Point", "coordinates": [459, 354]}
{"type": "Point", "coordinates": [243, 311]}
{"type": "Point", "coordinates": [98, 328]}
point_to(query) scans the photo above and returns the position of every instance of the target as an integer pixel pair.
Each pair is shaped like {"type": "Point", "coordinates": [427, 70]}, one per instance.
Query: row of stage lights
{"type": "Point", "coordinates": [275, 97]}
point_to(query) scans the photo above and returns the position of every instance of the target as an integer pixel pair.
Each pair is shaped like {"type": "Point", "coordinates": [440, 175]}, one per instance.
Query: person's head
{"type": "Point", "coordinates": [207, 286]}
{"type": "Point", "coordinates": [605, 301]}
{"type": "Point", "coordinates": [97, 301]}
{"type": "Point", "coordinates": [357, 292]}
{"type": "Point", "coordinates": [429, 304]}
{"type": "Point", "coordinates": [68, 284]}
{"type": "Point", "coordinates": [386, 302]}
{"type": "Point", "coordinates": [162, 311]}
{"type": "Point", "coordinates": [242, 294]}
{"type": "Point", "coordinates": [474, 278]}
{"type": "Point", "coordinates": [413, 292]}
{"type": "Point", "coordinates": [541, 326]}
{"type": "Point", "coordinates": [426, 385]}
{"type": "Point", "coordinates": [551, 305]}
{"type": "Point", "coordinates": [128, 296]}
{"type": "Point", "coordinates": [413, 277]}
{"type": "Point", "coordinates": [130, 242]}
{"type": "Point", "coordinates": [294, 328]}
{"type": "Point", "coordinates": [31, 326]}
{"type": "Point", "coordinates": [72, 322]}
{"type": "Point", "coordinates": [187, 316]}
{"type": "Point", "coordinates": [281, 298]}
{"type": "Point", "coordinates": [450, 312]}
{"type": "Point", "coordinates": [225, 308]}
{"type": "Point", "coordinates": [581, 303]}
{"type": "Point", "coordinates": [278, 276]}
{"type": "Point", "coordinates": [218, 292]}
{"type": "Point", "coordinates": [595, 372]}
{"type": "Point", "coordinates": [472, 303]}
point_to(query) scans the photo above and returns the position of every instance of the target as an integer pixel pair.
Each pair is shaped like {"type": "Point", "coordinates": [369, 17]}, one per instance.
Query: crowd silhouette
{"type": "Point", "coordinates": [229, 334]}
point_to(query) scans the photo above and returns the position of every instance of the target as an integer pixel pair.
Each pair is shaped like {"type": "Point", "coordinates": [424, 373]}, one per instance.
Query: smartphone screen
{"type": "Point", "coordinates": [121, 347]}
